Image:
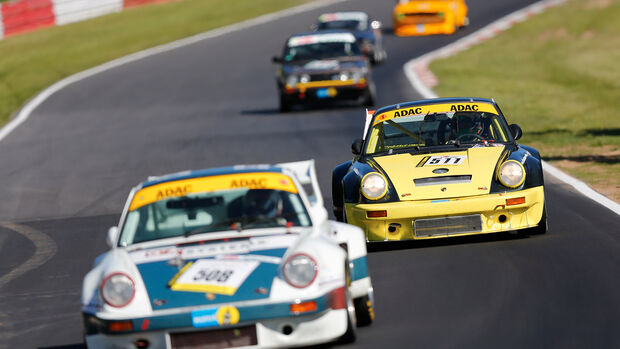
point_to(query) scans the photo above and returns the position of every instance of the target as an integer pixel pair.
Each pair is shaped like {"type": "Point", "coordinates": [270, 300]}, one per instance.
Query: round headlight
{"type": "Point", "coordinates": [117, 290]}
{"type": "Point", "coordinates": [304, 78]}
{"type": "Point", "coordinates": [300, 270]}
{"type": "Point", "coordinates": [344, 76]}
{"type": "Point", "coordinates": [511, 174]}
{"type": "Point", "coordinates": [357, 75]}
{"type": "Point", "coordinates": [374, 186]}
{"type": "Point", "coordinates": [291, 80]}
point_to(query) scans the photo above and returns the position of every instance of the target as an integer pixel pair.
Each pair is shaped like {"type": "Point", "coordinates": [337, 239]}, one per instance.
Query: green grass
{"type": "Point", "coordinates": [558, 76]}
{"type": "Point", "coordinates": [31, 62]}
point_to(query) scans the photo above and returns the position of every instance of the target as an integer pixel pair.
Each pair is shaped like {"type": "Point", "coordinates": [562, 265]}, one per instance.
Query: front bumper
{"type": "Point", "coordinates": [269, 325]}
{"type": "Point", "coordinates": [495, 215]}
{"type": "Point", "coordinates": [325, 91]}
{"type": "Point", "coordinates": [307, 330]}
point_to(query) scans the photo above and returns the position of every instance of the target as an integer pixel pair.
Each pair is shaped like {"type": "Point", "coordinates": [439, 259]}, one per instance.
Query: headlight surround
{"type": "Point", "coordinates": [300, 270]}
{"type": "Point", "coordinates": [373, 186]}
{"type": "Point", "coordinates": [511, 174]}
{"type": "Point", "coordinates": [292, 80]}
{"type": "Point", "coordinates": [118, 290]}
{"type": "Point", "coordinates": [358, 75]}
{"type": "Point", "coordinates": [342, 76]}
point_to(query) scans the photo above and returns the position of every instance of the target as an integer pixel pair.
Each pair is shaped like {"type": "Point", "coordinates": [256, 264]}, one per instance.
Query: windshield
{"type": "Point", "coordinates": [207, 212]}
{"type": "Point", "coordinates": [343, 24]}
{"type": "Point", "coordinates": [321, 51]}
{"type": "Point", "coordinates": [436, 129]}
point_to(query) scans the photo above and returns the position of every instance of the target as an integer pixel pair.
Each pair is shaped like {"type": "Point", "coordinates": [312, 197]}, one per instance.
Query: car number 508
{"type": "Point", "coordinates": [216, 275]}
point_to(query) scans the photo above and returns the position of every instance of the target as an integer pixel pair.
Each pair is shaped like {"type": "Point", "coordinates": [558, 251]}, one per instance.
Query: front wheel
{"type": "Point", "coordinates": [364, 311]}
{"type": "Point", "coordinates": [284, 105]}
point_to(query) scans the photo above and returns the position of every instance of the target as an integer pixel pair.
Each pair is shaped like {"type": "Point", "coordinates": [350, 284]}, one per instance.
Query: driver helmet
{"type": "Point", "coordinates": [468, 124]}
{"type": "Point", "coordinates": [262, 203]}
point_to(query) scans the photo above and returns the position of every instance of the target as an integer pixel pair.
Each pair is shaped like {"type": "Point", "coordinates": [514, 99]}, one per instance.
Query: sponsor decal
{"type": "Point", "coordinates": [228, 315]}
{"type": "Point", "coordinates": [205, 318]}
{"type": "Point", "coordinates": [253, 180]}
{"type": "Point", "coordinates": [435, 108]}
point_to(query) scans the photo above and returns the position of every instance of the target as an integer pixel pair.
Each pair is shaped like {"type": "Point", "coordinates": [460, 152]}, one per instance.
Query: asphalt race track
{"type": "Point", "coordinates": [65, 174]}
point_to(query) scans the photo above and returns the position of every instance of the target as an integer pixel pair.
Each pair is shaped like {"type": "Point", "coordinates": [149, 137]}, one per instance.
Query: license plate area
{"type": "Point", "coordinates": [447, 225]}
{"type": "Point", "coordinates": [215, 339]}
{"type": "Point", "coordinates": [329, 92]}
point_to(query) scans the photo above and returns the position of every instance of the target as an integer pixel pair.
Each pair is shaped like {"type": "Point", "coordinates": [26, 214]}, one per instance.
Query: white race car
{"type": "Point", "coordinates": [231, 257]}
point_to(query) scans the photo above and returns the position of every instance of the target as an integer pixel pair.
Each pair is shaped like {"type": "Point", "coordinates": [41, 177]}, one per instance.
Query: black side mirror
{"type": "Point", "coordinates": [516, 131]}
{"type": "Point", "coordinates": [356, 146]}
{"type": "Point", "coordinates": [276, 59]}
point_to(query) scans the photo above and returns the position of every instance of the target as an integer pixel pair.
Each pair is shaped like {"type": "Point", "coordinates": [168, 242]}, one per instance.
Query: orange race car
{"type": "Point", "coordinates": [426, 17]}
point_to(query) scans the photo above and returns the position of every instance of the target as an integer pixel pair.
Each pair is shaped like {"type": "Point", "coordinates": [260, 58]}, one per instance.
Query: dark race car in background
{"type": "Point", "coordinates": [323, 67]}
{"type": "Point", "coordinates": [366, 31]}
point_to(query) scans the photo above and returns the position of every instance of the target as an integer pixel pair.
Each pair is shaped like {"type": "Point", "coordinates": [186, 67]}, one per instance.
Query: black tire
{"type": "Point", "coordinates": [369, 98]}
{"type": "Point", "coordinates": [284, 105]}
{"type": "Point", "coordinates": [542, 225]}
{"type": "Point", "coordinates": [364, 311]}
{"type": "Point", "coordinates": [350, 335]}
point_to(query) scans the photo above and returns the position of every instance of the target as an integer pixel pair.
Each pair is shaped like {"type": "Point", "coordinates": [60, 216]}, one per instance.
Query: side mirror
{"type": "Point", "coordinates": [375, 25]}
{"type": "Point", "coordinates": [356, 146]}
{"type": "Point", "coordinates": [319, 213]}
{"type": "Point", "coordinates": [112, 236]}
{"type": "Point", "coordinates": [516, 131]}
{"type": "Point", "coordinates": [276, 59]}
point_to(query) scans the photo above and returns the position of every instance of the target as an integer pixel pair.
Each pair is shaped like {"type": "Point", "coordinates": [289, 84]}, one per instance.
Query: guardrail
{"type": "Point", "coordinates": [23, 16]}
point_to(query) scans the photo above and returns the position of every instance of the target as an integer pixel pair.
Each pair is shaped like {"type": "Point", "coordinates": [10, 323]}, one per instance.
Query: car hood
{"type": "Point", "coordinates": [183, 276]}
{"type": "Point", "coordinates": [441, 175]}
{"type": "Point", "coordinates": [325, 65]}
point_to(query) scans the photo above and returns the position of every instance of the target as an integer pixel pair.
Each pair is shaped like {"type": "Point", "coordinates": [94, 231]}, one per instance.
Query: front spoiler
{"type": "Point", "coordinates": [495, 215]}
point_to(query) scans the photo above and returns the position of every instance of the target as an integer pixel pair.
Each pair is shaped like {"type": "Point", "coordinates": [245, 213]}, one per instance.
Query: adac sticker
{"type": "Point", "coordinates": [254, 180]}
{"type": "Point", "coordinates": [435, 108]}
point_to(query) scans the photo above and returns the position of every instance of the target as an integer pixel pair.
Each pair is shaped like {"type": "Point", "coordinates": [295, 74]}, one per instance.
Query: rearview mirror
{"type": "Point", "coordinates": [356, 146]}
{"type": "Point", "coordinates": [112, 236]}
{"type": "Point", "coordinates": [516, 131]}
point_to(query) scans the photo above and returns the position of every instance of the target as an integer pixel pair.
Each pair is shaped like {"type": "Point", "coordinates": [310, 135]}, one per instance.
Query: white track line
{"type": "Point", "coordinates": [44, 246]}
{"type": "Point", "coordinates": [422, 80]}
{"type": "Point", "coordinates": [30, 106]}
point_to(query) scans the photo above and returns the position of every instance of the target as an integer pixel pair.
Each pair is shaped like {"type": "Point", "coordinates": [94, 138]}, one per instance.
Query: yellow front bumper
{"type": "Point", "coordinates": [495, 214]}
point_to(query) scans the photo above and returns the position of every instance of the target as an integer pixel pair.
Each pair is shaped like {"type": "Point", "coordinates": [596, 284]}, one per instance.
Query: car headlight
{"type": "Point", "coordinates": [357, 75]}
{"type": "Point", "coordinates": [374, 186]}
{"type": "Point", "coordinates": [304, 78]}
{"type": "Point", "coordinates": [292, 80]}
{"type": "Point", "coordinates": [511, 174]}
{"type": "Point", "coordinates": [342, 76]}
{"type": "Point", "coordinates": [117, 290]}
{"type": "Point", "coordinates": [300, 270]}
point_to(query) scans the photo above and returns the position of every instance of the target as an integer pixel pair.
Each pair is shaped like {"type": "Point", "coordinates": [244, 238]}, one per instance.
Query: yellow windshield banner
{"type": "Point", "coordinates": [253, 180]}
{"type": "Point", "coordinates": [435, 108]}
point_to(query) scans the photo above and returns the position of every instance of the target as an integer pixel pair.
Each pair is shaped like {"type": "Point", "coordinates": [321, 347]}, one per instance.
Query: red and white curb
{"type": "Point", "coordinates": [423, 80]}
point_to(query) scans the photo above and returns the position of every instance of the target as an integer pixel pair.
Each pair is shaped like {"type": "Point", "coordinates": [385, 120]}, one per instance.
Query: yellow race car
{"type": "Point", "coordinates": [439, 168]}
{"type": "Point", "coordinates": [426, 17]}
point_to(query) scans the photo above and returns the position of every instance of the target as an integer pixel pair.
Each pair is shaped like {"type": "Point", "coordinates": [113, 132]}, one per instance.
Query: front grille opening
{"type": "Point", "coordinates": [421, 182]}
{"type": "Point", "coordinates": [447, 225]}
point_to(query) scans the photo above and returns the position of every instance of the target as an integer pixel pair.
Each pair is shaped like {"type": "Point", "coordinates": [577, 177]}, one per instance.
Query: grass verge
{"type": "Point", "coordinates": [31, 62]}
{"type": "Point", "coordinates": [557, 75]}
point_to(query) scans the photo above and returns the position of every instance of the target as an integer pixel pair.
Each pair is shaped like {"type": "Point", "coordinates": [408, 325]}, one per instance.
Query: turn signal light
{"type": "Point", "coordinates": [120, 326]}
{"type": "Point", "coordinates": [376, 214]}
{"type": "Point", "coordinates": [303, 307]}
{"type": "Point", "coordinates": [515, 201]}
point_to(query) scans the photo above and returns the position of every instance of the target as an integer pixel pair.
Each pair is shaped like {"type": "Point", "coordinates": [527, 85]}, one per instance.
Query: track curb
{"type": "Point", "coordinates": [423, 80]}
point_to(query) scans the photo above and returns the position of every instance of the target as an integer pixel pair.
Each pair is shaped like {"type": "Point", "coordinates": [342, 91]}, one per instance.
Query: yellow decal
{"type": "Point", "coordinates": [254, 180]}
{"type": "Point", "coordinates": [227, 315]}
{"type": "Point", "coordinates": [435, 108]}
